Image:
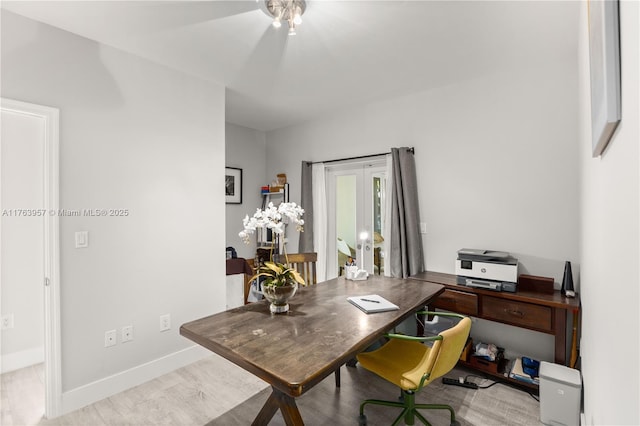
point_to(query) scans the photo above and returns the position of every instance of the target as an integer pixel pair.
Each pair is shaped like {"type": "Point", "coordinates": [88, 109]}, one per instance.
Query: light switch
{"type": "Point", "coordinates": [423, 228]}
{"type": "Point", "coordinates": [82, 239]}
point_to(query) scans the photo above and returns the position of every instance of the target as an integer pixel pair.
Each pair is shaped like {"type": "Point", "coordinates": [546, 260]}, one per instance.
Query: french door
{"type": "Point", "coordinates": [356, 215]}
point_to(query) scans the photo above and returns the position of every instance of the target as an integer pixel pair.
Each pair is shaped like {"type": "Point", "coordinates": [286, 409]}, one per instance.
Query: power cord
{"type": "Point", "coordinates": [473, 385]}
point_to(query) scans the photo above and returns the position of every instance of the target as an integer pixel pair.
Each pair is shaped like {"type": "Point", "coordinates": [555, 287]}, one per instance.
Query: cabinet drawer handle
{"type": "Point", "coordinates": [514, 312]}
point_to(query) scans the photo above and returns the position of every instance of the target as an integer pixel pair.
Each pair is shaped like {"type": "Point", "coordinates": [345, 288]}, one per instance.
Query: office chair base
{"type": "Point", "coordinates": [409, 412]}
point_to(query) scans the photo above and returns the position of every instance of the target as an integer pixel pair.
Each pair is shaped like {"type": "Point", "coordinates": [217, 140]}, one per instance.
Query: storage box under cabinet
{"type": "Point", "coordinates": [495, 367]}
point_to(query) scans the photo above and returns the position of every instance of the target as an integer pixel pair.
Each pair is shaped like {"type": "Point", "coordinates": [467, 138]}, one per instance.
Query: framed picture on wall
{"type": "Point", "coordinates": [604, 64]}
{"type": "Point", "coordinates": [233, 185]}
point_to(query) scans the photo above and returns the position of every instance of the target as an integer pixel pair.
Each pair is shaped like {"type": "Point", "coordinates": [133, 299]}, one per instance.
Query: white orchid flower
{"type": "Point", "coordinates": [274, 218]}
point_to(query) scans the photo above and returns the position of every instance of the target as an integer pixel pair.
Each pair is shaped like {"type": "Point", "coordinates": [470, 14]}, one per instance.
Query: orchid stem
{"type": "Point", "coordinates": [273, 243]}
{"type": "Point", "coordinates": [284, 248]}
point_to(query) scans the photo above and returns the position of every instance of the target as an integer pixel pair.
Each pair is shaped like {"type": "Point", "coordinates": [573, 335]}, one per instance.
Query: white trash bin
{"type": "Point", "coordinates": [560, 388]}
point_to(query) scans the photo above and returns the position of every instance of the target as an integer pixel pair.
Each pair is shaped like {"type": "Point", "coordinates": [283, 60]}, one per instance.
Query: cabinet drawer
{"type": "Point", "coordinates": [457, 301]}
{"type": "Point", "coordinates": [517, 313]}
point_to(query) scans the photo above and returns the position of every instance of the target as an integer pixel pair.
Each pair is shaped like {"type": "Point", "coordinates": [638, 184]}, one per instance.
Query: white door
{"type": "Point", "coordinates": [29, 255]}
{"type": "Point", "coordinates": [356, 205]}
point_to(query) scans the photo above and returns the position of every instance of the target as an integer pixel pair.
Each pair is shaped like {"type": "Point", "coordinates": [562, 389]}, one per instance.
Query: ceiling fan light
{"type": "Point", "coordinates": [297, 19]}
{"type": "Point", "coordinates": [285, 10]}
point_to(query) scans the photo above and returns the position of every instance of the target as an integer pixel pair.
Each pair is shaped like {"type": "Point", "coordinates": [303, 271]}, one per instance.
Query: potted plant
{"type": "Point", "coordinates": [279, 285]}
{"type": "Point", "coordinates": [280, 282]}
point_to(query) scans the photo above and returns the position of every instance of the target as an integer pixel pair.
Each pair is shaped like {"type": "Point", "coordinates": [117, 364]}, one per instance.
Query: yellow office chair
{"type": "Point", "coordinates": [408, 362]}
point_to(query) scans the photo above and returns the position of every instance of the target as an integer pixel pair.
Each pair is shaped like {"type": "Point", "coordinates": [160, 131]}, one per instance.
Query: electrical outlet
{"type": "Point", "coordinates": [82, 239]}
{"type": "Point", "coordinates": [127, 333]}
{"type": "Point", "coordinates": [6, 321]}
{"type": "Point", "coordinates": [109, 338]}
{"type": "Point", "coordinates": [165, 322]}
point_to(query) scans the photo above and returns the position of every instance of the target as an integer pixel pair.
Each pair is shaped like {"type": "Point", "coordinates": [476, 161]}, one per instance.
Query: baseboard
{"type": "Point", "coordinates": [104, 388]}
{"type": "Point", "coordinates": [22, 359]}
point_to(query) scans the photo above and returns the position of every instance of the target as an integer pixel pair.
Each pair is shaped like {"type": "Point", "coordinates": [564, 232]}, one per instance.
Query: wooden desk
{"type": "Point", "coordinates": [546, 313]}
{"type": "Point", "coordinates": [322, 331]}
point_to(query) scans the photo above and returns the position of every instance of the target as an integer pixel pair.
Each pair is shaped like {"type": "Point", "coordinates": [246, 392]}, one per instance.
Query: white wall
{"type": "Point", "coordinates": [496, 156]}
{"type": "Point", "coordinates": [137, 136]}
{"type": "Point", "coordinates": [22, 254]}
{"type": "Point", "coordinates": [245, 149]}
{"type": "Point", "coordinates": [610, 242]}
{"type": "Point", "coordinates": [497, 168]}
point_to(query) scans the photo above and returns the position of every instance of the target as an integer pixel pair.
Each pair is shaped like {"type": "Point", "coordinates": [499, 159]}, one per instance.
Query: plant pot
{"type": "Point", "coordinates": [279, 296]}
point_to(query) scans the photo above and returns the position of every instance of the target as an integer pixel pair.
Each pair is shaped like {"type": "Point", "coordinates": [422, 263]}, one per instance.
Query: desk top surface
{"type": "Point", "coordinates": [321, 331]}
{"type": "Point", "coordinates": [555, 300]}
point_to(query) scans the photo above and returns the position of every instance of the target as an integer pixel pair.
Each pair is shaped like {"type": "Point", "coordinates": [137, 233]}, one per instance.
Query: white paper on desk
{"type": "Point", "coordinates": [372, 303]}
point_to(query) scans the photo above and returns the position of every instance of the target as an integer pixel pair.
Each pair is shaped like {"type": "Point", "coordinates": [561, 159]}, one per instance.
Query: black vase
{"type": "Point", "coordinates": [567, 281]}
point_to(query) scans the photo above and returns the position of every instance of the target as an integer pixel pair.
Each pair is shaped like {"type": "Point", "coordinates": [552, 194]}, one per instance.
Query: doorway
{"type": "Point", "coordinates": [29, 255]}
{"type": "Point", "coordinates": [356, 192]}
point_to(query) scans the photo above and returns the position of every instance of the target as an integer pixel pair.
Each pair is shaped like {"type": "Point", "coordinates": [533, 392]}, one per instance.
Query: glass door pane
{"type": "Point", "coordinates": [378, 183]}
{"type": "Point", "coordinates": [355, 202]}
{"type": "Point", "coordinates": [374, 178]}
{"type": "Point", "coordinates": [346, 219]}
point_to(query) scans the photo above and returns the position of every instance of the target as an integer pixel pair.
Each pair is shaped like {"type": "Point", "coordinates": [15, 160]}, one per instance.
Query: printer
{"type": "Point", "coordinates": [488, 269]}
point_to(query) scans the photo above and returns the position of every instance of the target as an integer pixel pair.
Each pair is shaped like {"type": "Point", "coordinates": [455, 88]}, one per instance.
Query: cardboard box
{"type": "Point", "coordinates": [496, 367]}
{"type": "Point", "coordinates": [467, 350]}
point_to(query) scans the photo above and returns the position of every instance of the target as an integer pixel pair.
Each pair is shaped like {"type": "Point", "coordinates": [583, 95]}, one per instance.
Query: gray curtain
{"type": "Point", "coordinates": [305, 242]}
{"type": "Point", "coordinates": [406, 255]}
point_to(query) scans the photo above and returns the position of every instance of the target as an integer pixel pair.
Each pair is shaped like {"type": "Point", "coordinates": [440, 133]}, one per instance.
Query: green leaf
{"type": "Point", "coordinates": [296, 276]}
{"type": "Point", "coordinates": [277, 268]}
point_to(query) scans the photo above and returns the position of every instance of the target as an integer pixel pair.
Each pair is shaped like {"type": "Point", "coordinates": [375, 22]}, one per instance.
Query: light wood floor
{"type": "Point", "coordinates": [215, 392]}
{"type": "Point", "coordinates": [22, 396]}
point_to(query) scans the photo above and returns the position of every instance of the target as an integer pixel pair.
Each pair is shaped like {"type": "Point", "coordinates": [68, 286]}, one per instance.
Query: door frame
{"type": "Point", "coordinates": [51, 280]}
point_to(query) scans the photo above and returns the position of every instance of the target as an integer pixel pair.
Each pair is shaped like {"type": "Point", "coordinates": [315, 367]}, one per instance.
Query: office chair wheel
{"type": "Point", "coordinates": [362, 420]}
{"type": "Point", "coordinates": [455, 423]}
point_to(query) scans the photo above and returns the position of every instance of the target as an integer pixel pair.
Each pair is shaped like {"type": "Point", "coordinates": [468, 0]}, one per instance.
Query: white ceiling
{"type": "Point", "coordinates": [346, 52]}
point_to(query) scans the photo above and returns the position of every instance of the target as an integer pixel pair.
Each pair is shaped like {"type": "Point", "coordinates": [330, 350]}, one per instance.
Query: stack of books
{"type": "Point", "coordinates": [526, 370]}
{"type": "Point", "coordinates": [264, 189]}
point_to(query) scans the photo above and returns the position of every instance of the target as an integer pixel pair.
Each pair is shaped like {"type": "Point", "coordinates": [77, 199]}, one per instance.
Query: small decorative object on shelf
{"type": "Point", "coordinates": [567, 281]}
{"type": "Point", "coordinates": [278, 184]}
{"type": "Point", "coordinates": [280, 282]}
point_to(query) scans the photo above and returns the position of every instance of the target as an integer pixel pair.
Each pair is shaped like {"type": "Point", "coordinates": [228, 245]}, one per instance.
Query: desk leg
{"type": "Point", "coordinates": [420, 320]}
{"type": "Point", "coordinates": [286, 404]}
{"type": "Point", "coordinates": [561, 336]}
